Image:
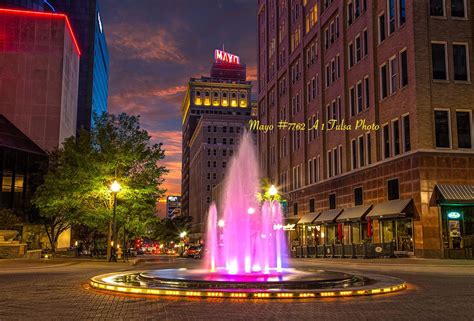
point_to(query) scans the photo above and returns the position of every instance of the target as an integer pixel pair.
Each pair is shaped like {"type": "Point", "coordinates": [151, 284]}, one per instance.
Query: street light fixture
{"type": "Point", "coordinates": [115, 188]}
{"type": "Point", "coordinates": [183, 234]}
{"type": "Point", "coordinates": [272, 191]}
{"type": "Point", "coordinates": [221, 223]}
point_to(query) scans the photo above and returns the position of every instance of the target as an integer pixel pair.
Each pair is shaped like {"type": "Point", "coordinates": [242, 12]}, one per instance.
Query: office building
{"type": "Point", "coordinates": [395, 76]}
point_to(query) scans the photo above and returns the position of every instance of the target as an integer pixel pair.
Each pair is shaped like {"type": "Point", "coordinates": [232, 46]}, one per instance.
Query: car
{"type": "Point", "coordinates": [191, 251]}
{"type": "Point", "coordinates": [199, 252]}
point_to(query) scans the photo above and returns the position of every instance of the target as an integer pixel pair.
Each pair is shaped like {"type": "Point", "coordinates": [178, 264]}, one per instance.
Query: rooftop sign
{"type": "Point", "coordinates": [222, 56]}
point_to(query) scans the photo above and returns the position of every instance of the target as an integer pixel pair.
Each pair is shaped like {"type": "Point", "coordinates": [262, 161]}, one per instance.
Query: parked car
{"type": "Point", "coordinates": [198, 254]}
{"type": "Point", "coordinates": [191, 251]}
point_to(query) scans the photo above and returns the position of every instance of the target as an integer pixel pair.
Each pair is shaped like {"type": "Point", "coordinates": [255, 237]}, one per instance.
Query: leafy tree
{"type": "Point", "coordinates": [76, 188]}
{"type": "Point", "coordinates": [169, 229]}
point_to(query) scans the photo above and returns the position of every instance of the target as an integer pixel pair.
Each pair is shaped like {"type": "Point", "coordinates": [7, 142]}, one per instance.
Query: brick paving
{"type": "Point", "coordinates": [57, 290]}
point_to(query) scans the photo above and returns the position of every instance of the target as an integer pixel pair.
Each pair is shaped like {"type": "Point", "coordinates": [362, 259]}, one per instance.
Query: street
{"type": "Point", "coordinates": [57, 289]}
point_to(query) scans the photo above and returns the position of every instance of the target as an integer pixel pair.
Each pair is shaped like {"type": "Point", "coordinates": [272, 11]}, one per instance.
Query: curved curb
{"type": "Point", "coordinates": [382, 285]}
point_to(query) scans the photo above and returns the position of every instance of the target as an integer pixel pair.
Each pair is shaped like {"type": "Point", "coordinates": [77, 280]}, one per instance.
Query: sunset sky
{"type": "Point", "coordinates": [156, 46]}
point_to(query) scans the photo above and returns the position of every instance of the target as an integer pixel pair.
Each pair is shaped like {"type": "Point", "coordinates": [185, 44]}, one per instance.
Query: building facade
{"type": "Point", "coordinates": [216, 110]}
{"type": "Point", "coordinates": [173, 206]}
{"type": "Point", "coordinates": [39, 75]}
{"type": "Point", "coordinates": [381, 94]}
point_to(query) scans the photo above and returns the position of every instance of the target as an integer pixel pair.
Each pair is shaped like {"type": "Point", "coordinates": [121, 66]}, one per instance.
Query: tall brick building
{"type": "Point", "coordinates": [401, 65]}
{"type": "Point", "coordinates": [216, 110]}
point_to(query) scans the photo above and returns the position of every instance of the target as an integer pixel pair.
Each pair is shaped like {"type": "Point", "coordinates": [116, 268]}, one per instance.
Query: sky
{"type": "Point", "coordinates": [155, 46]}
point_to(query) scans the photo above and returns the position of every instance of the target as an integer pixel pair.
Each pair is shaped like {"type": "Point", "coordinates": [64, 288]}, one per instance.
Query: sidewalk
{"type": "Point", "coordinates": [390, 261]}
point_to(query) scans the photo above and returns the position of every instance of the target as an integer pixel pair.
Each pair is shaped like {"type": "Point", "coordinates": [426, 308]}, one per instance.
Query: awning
{"type": "Point", "coordinates": [328, 216]}
{"type": "Point", "coordinates": [308, 218]}
{"type": "Point", "coordinates": [354, 214]}
{"type": "Point", "coordinates": [395, 208]}
{"type": "Point", "coordinates": [455, 193]}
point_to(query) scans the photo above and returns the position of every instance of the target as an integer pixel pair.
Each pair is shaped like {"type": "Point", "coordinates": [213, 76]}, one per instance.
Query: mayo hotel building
{"type": "Point", "coordinates": [400, 180]}
{"type": "Point", "coordinates": [216, 110]}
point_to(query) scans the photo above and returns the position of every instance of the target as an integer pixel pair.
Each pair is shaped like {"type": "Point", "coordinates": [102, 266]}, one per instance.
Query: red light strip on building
{"type": "Point", "coordinates": [50, 15]}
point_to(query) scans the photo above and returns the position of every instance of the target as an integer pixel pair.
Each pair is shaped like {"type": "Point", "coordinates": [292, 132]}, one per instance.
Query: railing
{"type": "Point", "coordinates": [367, 250]}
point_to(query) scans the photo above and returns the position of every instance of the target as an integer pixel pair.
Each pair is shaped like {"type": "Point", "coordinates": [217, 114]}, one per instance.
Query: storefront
{"type": "Point", "coordinates": [456, 203]}
{"type": "Point", "coordinates": [307, 230]}
{"type": "Point", "coordinates": [327, 226]}
{"type": "Point", "coordinates": [395, 220]}
{"type": "Point", "coordinates": [354, 225]}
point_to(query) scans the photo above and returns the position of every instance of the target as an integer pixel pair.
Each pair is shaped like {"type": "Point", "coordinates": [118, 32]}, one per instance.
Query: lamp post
{"type": "Point", "coordinates": [272, 191]}
{"type": "Point", "coordinates": [115, 188]}
{"type": "Point", "coordinates": [182, 235]}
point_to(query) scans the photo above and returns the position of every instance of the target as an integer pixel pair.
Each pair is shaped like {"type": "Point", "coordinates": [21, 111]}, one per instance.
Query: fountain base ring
{"type": "Point", "coordinates": [289, 284]}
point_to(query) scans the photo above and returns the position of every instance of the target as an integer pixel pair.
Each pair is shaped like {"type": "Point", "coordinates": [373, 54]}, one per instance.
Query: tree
{"type": "Point", "coordinates": [79, 175]}
{"type": "Point", "coordinates": [169, 229]}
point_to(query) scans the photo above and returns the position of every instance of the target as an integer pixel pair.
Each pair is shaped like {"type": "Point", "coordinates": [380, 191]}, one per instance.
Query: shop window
{"type": "Point", "coordinates": [442, 129]}
{"type": "Point", "coordinates": [437, 8]}
{"type": "Point", "coordinates": [463, 121]}
{"type": "Point", "coordinates": [393, 189]}
{"type": "Point", "coordinates": [295, 209]}
{"type": "Point", "coordinates": [332, 201]}
{"type": "Point", "coordinates": [311, 205]}
{"type": "Point", "coordinates": [358, 198]}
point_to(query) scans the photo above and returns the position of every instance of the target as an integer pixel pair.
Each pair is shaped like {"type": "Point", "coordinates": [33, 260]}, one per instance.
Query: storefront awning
{"type": "Point", "coordinates": [455, 193]}
{"type": "Point", "coordinates": [354, 214]}
{"type": "Point", "coordinates": [395, 208]}
{"type": "Point", "coordinates": [308, 218]}
{"type": "Point", "coordinates": [328, 216]}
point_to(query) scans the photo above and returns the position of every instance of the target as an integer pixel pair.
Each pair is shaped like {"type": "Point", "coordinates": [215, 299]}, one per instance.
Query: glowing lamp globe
{"type": "Point", "coordinates": [115, 187]}
{"type": "Point", "coordinates": [272, 190]}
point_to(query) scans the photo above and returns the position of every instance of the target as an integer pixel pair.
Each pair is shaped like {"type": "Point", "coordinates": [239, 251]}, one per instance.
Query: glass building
{"type": "Point", "coordinates": [94, 65]}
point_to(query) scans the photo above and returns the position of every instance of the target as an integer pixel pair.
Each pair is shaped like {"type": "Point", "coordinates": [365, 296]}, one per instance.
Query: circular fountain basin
{"type": "Point", "coordinates": [288, 283]}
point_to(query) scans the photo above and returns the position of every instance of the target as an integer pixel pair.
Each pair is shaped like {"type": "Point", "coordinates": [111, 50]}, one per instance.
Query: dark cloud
{"type": "Point", "coordinates": [156, 46]}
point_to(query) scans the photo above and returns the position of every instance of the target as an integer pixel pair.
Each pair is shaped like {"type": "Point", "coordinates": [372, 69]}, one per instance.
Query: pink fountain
{"type": "Point", "coordinates": [245, 237]}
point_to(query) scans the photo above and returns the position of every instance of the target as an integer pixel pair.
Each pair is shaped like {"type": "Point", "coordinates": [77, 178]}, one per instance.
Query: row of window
{"type": "Point", "coordinates": [224, 141]}
{"type": "Point", "coordinates": [395, 75]}
{"type": "Point", "coordinates": [443, 128]}
{"type": "Point", "coordinates": [311, 18]}
{"type": "Point", "coordinates": [224, 129]}
{"type": "Point", "coordinates": [395, 8]}
{"type": "Point", "coordinates": [361, 149]}
{"type": "Point", "coordinates": [214, 164]}
{"type": "Point", "coordinates": [334, 110]}
{"type": "Point", "coordinates": [334, 161]}
{"type": "Point", "coordinates": [224, 152]}
{"type": "Point", "coordinates": [331, 33]}
{"type": "Point", "coordinates": [355, 8]}
{"type": "Point", "coordinates": [396, 137]}
{"type": "Point", "coordinates": [439, 60]}
{"type": "Point", "coordinates": [458, 8]}
{"type": "Point", "coordinates": [312, 89]}
{"type": "Point", "coordinates": [220, 98]}
{"type": "Point", "coordinates": [359, 96]}
{"type": "Point", "coordinates": [359, 50]}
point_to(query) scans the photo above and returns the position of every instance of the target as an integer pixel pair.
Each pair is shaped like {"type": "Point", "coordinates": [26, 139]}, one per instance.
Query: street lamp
{"type": "Point", "coordinates": [183, 234]}
{"type": "Point", "coordinates": [272, 191]}
{"type": "Point", "coordinates": [115, 188]}
{"type": "Point", "coordinates": [221, 223]}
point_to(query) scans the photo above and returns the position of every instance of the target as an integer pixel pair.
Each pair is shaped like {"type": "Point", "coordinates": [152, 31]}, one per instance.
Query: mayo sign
{"type": "Point", "coordinates": [222, 56]}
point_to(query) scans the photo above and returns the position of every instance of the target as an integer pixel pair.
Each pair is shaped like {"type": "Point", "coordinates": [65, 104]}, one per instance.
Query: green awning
{"type": "Point", "coordinates": [308, 218]}
{"type": "Point", "coordinates": [328, 216]}
{"type": "Point", "coordinates": [463, 194]}
{"type": "Point", "coordinates": [395, 208]}
{"type": "Point", "coordinates": [354, 214]}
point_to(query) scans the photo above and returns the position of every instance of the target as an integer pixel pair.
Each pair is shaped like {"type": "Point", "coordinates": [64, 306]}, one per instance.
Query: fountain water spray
{"type": "Point", "coordinates": [248, 237]}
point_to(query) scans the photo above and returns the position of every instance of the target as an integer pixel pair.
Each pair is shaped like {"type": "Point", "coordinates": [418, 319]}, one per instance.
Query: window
{"type": "Point", "coordinates": [208, 188]}
{"type": "Point", "coordinates": [403, 69]}
{"type": "Point", "coordinates": [351, 54]}
{"type": "Point", "coordinates": [224, 152]}
{"type": "Point", "coordinates": [358, 47]}
{"type": "Point", "coordinates": [382, 34]}
{"type": "Point", "coordinates": [369, 148]}
{"type": "Point", "coordinates": [396, 137]}
{"type": "Point", "coordinates": [311, 205]}
{"type": "Point", "coordinates": [393, 190]}
{"type": "Point", "coordinates": [406, 133]}
{"type": "Point", "coordinates": [391, 16]}
{"type": "Point", "coordinates": [295, 208]}
{"type": "Point", "coordinates": [393, 75]}
{"type": "Point", "coordinates": [437, 8]}
{"type": "Point", "coordinates": [214, 164]}
{"type": "Point", "coordinates": [208, 163]}
{"type": "Point", "coordinates": [402, 12]}
{"type": "Point", "coordinates": [460, 62]}
{"type": "Point", "coordinates": [215, 152]}
{"type": "Point", "coordinates": [386, 141]}
{"type": "Point", "coordinates": [463, 122]}
{"type": "Point", "coordinates": [359, 97]}
{"type": "Point", "coordinates": [458, 8]}
{"type": "Point", "coordinates": [354, 153]}
{"type": "Point", "coordinates": [352, 100]}
{"type": "Point", "coordinates": [329, 161]}
{"type": "Point", "coordinates": [208, 152]}
{"type": "Point", "coordinates": [358, 200]}
{"type": "Point", "coordinates": [367, 92]}
{"type": "Point", "coordinates": [365, 43]}
{"type": "Point", "coordinates": [439, 64]}
{"type": "Point", "coordinates": [350, 13]}
{"type": "Point", "coordinates": [332, 201]}
{"type": "Point", "coordinates": [442, 129]}
{"type": "Point", "coordinates": [383, 82]}
{"type": "Point", "coordinates": [361, 152]}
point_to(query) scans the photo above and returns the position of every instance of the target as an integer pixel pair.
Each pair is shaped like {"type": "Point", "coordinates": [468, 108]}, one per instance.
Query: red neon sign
{"type": "Point", "coordinates": [222, 56]}
{"type": "Point", "coordinates": [49, 15]}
